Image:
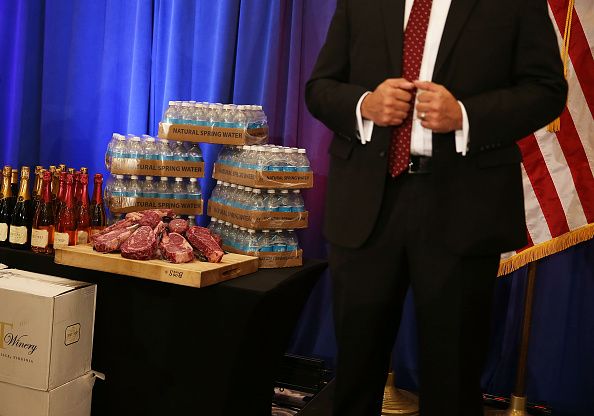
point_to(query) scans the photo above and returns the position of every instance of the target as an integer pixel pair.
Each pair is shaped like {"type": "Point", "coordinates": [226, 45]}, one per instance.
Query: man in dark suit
{"type": "Point", "coordinates": [424, 184]}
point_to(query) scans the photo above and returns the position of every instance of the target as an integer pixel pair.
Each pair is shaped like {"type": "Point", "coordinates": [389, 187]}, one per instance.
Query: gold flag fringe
{"type": "Point", "coordinates": [546, 248]}
{"type": "Point", "coordinates": [555, 125]}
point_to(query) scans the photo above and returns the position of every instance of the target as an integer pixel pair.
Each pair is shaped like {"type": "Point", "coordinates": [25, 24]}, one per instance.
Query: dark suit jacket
{"type": "Point", "coordinates": [499, 57]}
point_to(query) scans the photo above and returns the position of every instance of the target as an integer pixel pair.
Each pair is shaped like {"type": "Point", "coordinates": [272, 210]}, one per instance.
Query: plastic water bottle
{"type": "Point", "coordinates": [216, 192]}
{"type": "Point", "coordinates": [241, 117]}
{"type": "Point", "coordinates": [133, 190]}
{"type": "Point", "coordinates": [179, 152]}
{"type": "Point", "coordinates": [265, 241]}
{"type": "Point", "coordinates": [149, 189]}
{"type": "Point", "coordinates": [170, 114]}
{"type": "Point", "coordinates": [242, 239]}
{"type": "Point", "coordinates": [199, 117]}
{"type": "Point", "coordinates": [215, 115]}
{"type": "Point", "coordinates": [303, 164]}
{"type": "Point", "coordinates": [257, 200]}
{"type": "Point", "coordinates": [195, 153]}
{"type": "Point", "coordinates": [252, 245]}
{"type": "Point", "coordinates": [271, 201]}
{"type": "Point", "coordinates": [179, 189]}
{"type": "Point", "coordinates": [186, 113]}
{"type": "Point", "coordinates": [296, 201]}
{"type": "Point", "coordinates": [291, 241]}
{"type": "Point", "coordinates": [119, 148]}
{"type": "Point", "coordinates": [193, 189]}
{"type": "Point", "coordinates": [278, 242]}
{"type": "Point", "coordinates": [191, 220]}
{"type": "Point", "coordinates": [284, 201]}
{"type": "Point", "coordinates": [246, 198]}
{"type": "Point", "coordinates": [163, 188]}
{"type": "Point", "coordinates": [235, 236]}
{"type": "Point", "coordinates": [149, 150]}
{"type": "Point", "coordinates": [225, 193]}
{"type": "Point", "coordinates": [135, 150]}
{"type": "Point", "coordinates": [290, 164]}
{"type": "Point", "coordinates": [239, 196]}
{"type": "Point", "coordinates": [212, 226]}
{"type": "Point", "coordinates": [118, 187]}
{"type": "Point", "coordinates": [109, 152]}
{"type": "Point", "coordinates": [165, 153]}
{"type": "Point", "coordinates": [227, 119]}
{"type": "Point", "coordinates": [276, 161]}
{"type": "Point", "coordinates": [232, 196]}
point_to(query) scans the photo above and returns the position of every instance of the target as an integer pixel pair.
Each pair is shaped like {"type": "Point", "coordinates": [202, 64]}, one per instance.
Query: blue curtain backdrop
{"type": "Point", "coordinates": [74, 72]}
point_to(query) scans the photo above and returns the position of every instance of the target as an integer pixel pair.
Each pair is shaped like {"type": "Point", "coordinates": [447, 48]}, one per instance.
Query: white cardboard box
{"type": "Point", "coordinates": [70, 399]}
{"type": "Point", "coordinates": [46, 329]}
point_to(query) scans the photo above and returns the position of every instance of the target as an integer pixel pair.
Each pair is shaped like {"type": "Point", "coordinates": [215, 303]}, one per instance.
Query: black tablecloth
{"type": "Point", "coordinates": [174, 350]}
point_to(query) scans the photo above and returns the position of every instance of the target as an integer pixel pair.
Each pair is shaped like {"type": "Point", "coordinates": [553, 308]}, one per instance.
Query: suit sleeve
{"type": "Point", "coordinates": [539, 91]}
{"type": "Point", "coordinates": [328, 94]}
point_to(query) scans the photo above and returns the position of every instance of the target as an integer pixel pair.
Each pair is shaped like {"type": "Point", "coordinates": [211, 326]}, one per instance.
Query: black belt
{"type": "Point", "coordinates": [420, 164]}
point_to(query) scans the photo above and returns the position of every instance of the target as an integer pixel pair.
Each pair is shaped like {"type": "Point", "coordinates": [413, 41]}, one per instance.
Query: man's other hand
{"type": "Point", "coordinates": [389, 104]}
{"type": "Point", "coordinates": [437, 108]}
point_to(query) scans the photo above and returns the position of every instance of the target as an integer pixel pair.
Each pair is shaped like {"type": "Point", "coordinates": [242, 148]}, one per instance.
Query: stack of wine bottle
{"type": "Point", "coordinates": [59, 214]}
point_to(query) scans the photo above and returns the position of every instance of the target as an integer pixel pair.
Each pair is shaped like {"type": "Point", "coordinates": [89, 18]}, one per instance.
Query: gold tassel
{"type": "Point", "coordinates": [546, 248]}
{"type": "Point", "coordinates": [555, 125]}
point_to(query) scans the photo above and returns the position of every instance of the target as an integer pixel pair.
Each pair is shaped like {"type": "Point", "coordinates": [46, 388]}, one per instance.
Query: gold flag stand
{"type": "Point", "coordinates": [518, 398]}
{"type": "Point", "coordinates": [398, 402]}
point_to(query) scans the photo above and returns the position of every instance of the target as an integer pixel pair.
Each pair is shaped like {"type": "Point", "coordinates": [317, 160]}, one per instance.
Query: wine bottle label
{"type": "Point", "coordinates": [39, 238]}
{"type": "Point", "coordinates": [61, 240]}
{"type": "Point", "coordinates": [3, 231]}
{"type": "Point", "coordinates": [82, 237]}
{"type": "Point", "coordinates": [18, 234]}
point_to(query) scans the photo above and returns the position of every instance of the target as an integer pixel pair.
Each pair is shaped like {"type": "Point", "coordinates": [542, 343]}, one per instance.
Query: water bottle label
{"type": "Point", "coordinates": [180, 196]}
{"type": "Point", "coordinates": [289, 169]}
{"type": "Point", "coordinates": [278, 248]}
{"type": "Point", "coordinates": [298, 208]}
{"type": "Point", "coordinates": [195, 159]}
{"type": "Point", "coordinates": [291, 248]}
{"type": "Point", "coordinates": [275, 168]}
{"type": "Point", "coordinates": [165, 195]}
{"type": "Point", "coordinates": [150, 194]}
{"type": "Point", "coordinates": [284, 209]}
{"type": "Point", "coordinates": [302, 169]}
{"type": "Point", "coordinates": [266, 249]}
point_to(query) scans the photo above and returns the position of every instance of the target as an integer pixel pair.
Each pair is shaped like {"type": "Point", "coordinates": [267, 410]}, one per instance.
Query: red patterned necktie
{"type": "Point", "coordinates": [414, 44]}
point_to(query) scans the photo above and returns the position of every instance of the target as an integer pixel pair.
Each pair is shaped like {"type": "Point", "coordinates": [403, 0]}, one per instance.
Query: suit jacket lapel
{"type": "Point", "coordinates": [392, 12]}
{"type": "Point", "coordinates": [457, 16]}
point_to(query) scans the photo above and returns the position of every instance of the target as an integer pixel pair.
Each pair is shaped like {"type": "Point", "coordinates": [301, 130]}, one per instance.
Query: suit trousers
{"type": "Point", "coordinates": [452, 296]}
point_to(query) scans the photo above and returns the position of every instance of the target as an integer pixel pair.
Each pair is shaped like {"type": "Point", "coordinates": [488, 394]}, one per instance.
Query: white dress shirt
{"type": "Point", "coordinates": [421, 138]}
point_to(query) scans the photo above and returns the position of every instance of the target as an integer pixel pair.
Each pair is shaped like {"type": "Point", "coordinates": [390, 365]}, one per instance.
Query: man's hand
{"type": "Point", "coordinates": [437, 108]}
{"type": "Point", "coordinates": [389, 104]}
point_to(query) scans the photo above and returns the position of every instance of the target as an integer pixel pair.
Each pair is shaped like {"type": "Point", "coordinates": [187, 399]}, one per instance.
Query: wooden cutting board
{"type": "Point", "coordinates": [195, 274]}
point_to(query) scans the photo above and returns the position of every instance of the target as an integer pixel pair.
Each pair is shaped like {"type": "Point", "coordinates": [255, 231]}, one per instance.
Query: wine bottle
{"type": "Point", "coordinates": [14, 181]}
{"type": "Point", "coordinates": [6, 204]}
{"type": "Point", "coordinates": [83, 227]}
{"type": "Point", "coordinates": [65, 229]}
{"type": "Point", "coordinates": [61, 197]}
{"type": "Point", "coordinates": [97, 211]}
{"type": "Point", "coordinates": [55, 183]}
{"type": "Point", "coordinates": [62, 167]}
{"type": "Point", "coordinates": [37, 188]}
{"type": "Point", "coordinates": [42, 232]}
{"type": "Point", "coordinates": [19, 234]}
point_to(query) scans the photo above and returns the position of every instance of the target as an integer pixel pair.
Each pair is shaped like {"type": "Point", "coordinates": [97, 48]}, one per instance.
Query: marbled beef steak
{"type": "Point", "coordinates": [179, 226]}
{"type": "Point", "coordinates": [142, 245]}
{"type": "Point", "coordinates": [201, 239]}
{"type": "Point", "coordinates": [111, 241]}
{"type": "Point", "coordinates": [175, 248]}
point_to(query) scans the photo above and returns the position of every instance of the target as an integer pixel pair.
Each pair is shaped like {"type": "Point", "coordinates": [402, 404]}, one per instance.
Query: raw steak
{"type": "Point", "coordinates": [150, 218]}
{"type": "Point", "coordinates": [117, 226]}
{"type": "Point", "coordinates": [111, 241]}
{"type": "Point", "coordinates": [201, 239]}
{"type": "Point", "coordinates": [142, 245]}
{"type": "Point", "coordinates": [139, 215]}
{"type": "Point", "coordinates": [178, 226]}
{"type": "Point", "coordinates": [175, 248]}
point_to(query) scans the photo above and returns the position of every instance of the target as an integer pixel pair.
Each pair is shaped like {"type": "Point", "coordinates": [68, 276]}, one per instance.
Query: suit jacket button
{"type": "Point", "coordinates": [382, 153]}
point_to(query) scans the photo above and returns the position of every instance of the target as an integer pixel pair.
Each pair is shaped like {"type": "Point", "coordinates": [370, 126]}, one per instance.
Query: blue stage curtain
{"type": "Point", "coordinates": [75, 72]}
{"type": "Point", "coordinates": [21, 45]}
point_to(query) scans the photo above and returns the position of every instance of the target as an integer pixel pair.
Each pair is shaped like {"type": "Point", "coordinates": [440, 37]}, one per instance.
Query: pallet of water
{"type": "Point", "coordinates": [274, 248]}
{"type": "Point", "coordinates": [144, 155]}
{"type": "Point", "coordinates": [125, 195]}
{"type": "Point", "coordinates": [266, 166]}
{"type": "Point", "coordinates": [204, 122]}
{"type": "Point", "coordinates": [256, 208]}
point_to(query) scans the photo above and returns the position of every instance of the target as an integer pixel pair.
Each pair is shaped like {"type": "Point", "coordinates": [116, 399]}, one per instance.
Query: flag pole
{"type": "Point", "coordinates": [518, 398]}
{"type": "Point", "coordinates": [398, 402]}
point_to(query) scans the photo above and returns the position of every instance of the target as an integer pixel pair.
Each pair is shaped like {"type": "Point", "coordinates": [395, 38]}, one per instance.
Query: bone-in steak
{"type": "Point", "coordinates": [142, 245]}
{"type": "Point", "coordinates": [111, 241]}
{"type": "Point", "coordinates": [201, 239]}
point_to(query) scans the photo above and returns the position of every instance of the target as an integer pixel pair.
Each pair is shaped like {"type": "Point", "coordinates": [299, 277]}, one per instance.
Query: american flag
{"type": "Point", "coordinates": [558, 166]}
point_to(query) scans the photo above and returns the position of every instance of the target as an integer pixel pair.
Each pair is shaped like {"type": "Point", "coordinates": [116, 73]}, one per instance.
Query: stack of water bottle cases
{"type": "Point", "coordinates": [256, 205]}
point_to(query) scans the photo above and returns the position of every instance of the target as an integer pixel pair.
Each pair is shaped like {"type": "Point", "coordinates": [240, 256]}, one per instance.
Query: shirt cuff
{"type": "Point", "coordinates": [364, 126]}
{"type": "Point", "coordinates": [462, 135]}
